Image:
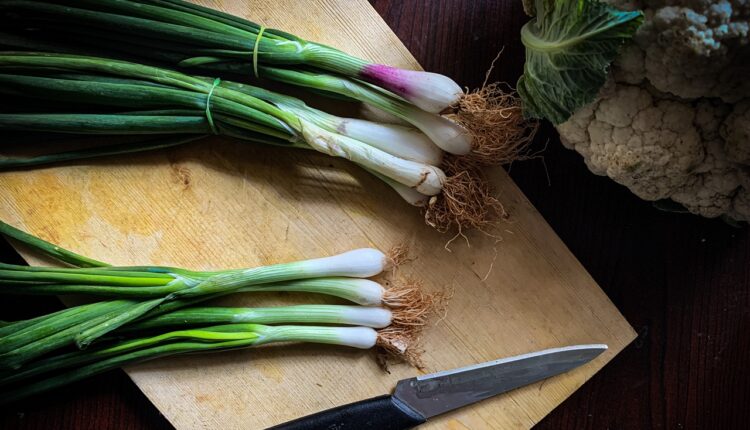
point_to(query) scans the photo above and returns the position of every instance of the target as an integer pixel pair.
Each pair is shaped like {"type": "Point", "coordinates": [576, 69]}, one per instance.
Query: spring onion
{"type": "Point", "coordinates": [91, 95]}
{"type": "Point", "coordinates": [236, 331]}
{"type": "Point", "coordinates": [217, 338]}
{"type": "Point", "coordinates": [171, 284]}
{"type": "Point", "coordinates": [180, 105]}
{"type": "Point", "coordinates": [89, 80]}
{"type": "Point", "coordinates": [365, 316]}
{"type": "Point", "coordinates": [488, 121]}
{"type": "Point", "coordinates": [168, 297]}
{"type": "Point", "coordinates": [198, 36]}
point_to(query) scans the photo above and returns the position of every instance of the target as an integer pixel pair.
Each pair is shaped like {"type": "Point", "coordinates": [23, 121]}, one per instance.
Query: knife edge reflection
{"type": "Point", "coordinates": [441, 392]}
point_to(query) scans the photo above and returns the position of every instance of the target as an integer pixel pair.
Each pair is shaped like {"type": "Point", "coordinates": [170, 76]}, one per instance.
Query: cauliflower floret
{"type": "Point", "coordinates": [736, 133]}
{"type": "Point", "coordinates": [714, 186]}
{"type": "Point", "coordinates": [651, 147]}
{"type": "Point", "coordinates": [673, 121]}
{"type": "Point", "coordinates": [690, 47]}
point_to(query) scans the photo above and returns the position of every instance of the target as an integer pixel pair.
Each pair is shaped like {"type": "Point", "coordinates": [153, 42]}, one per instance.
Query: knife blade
{"type": "Point", "coordinates": [417, 399]}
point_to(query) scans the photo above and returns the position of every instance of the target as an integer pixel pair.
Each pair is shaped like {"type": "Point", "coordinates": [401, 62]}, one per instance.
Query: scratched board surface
{"type": "Point", "coordinates": [221, 204]}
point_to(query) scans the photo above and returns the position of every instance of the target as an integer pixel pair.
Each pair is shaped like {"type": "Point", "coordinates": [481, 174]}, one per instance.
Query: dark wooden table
{"type": "Point", "coordinates": [683, 282]}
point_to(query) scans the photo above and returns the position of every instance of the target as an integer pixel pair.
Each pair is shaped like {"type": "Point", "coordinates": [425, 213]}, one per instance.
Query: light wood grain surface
{"type": "Point", "coordinates": [220, 204]}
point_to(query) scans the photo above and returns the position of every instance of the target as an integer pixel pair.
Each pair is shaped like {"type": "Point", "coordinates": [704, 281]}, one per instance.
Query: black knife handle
{"type": "Point", "coordinates": [378, 413]}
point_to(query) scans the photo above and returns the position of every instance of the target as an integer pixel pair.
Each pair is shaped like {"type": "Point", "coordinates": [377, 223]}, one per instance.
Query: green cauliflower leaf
{"type": "Point", "coordinates": [569, 47]}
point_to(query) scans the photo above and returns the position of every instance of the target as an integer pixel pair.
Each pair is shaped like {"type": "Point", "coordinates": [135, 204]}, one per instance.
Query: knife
{"type": "Point", "coordinates": [418, 399]}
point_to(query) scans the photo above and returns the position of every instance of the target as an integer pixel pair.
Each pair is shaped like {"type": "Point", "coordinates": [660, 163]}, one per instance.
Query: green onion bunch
{"type": "Point", "coordinates": [181, 34]}
{"type": "Point", "coordinates": [73, 95]}
{"type": "Point", "coordinates": [155, 311]}
{"type": "Point", "coordinates": [190, 35]}
{"type": "Point", "coordinates": [129, 98]}
{"type": "Point", "coordinates": [483, 127]}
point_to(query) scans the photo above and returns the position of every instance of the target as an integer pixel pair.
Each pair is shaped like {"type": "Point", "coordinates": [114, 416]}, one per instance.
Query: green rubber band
{"type": "Point", "coordinates": [208, 107]}
{"type": "Point", "coordinates": [255, 50]}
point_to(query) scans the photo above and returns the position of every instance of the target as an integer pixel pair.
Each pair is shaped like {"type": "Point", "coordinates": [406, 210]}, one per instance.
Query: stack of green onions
{"type": "Point", "coordinates": [154, 313]}
{"type": "Point", "coordinates": [194, 35]}
{"type": "Point", "coordinates": [90, 95]}
{"type": "Point", "coordinates": [177, 33]}
{"type": "Point", "coordinates": [78, 365]}
{"type": "Point", "coordinates": [75, 95]}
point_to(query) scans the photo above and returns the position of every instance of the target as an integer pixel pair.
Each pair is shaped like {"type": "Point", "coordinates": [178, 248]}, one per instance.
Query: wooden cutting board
{"type": "Point", "coordinates": [223, 204]}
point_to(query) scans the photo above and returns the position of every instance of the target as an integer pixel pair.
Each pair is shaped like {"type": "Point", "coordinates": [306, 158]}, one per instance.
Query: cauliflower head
{"type": "Point", "coordinates": [673, 121]}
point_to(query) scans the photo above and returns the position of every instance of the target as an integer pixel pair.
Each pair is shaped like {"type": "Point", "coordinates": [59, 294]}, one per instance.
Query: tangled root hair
{"type": "Point", "coordinates": [467, 201]}
{"type": "Point", "coordinates": [400, 343]}
{"type": "Point", "coordinates": [398, 255]}
{"type": "Point", "coordinates": [412, 308]}
{"type": "Point", "coordinates": [494, 118]}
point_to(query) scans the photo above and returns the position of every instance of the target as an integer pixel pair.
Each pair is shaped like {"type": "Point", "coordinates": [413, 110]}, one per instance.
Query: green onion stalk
{"type": "Point", "coordinates": [76, 95]}
{"type": "Point", "coordinates": [65, 368]}
{"type": "Point", "coordinates": [143, 293]}
{"type": "Point", "coordinates": [488, 124]}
